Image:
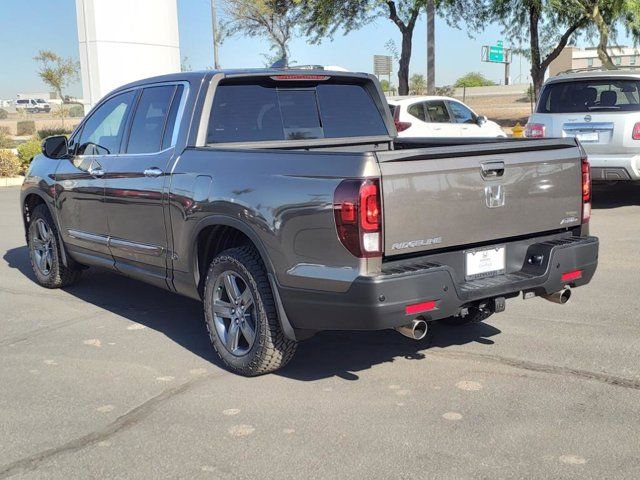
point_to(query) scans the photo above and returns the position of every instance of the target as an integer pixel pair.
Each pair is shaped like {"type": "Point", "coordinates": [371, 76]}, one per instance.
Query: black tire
{"type": "Point", "coordinates": [54, 274]}
{"type": "Point", "coordinates": [270, 349]}
{"type": "Point", "coordinates": [474, 315]}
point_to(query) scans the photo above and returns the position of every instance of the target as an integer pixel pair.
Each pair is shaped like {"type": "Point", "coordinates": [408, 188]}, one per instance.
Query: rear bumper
{"type": "Point", "coordinates": [375, 303]}
{"type": "Point", "coordinates": [615, 167]}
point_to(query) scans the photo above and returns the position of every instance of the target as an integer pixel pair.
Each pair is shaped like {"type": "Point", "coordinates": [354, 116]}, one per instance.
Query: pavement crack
{"type": "Point", "coordinates": [544, 368]}
{"type": "Point", "coordinates": [124, 422]}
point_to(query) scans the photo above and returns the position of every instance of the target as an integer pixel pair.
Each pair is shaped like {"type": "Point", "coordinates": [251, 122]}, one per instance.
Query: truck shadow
{"type": "Point", "coordinates": [613, 196]}
{"type": "Point", "coordinates": [180, 319]}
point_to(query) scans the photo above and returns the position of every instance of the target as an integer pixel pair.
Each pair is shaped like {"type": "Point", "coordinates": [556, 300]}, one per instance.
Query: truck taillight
{"type": "Point", "coordinates": [636, 131]}
{"type": "Point", "coordinates": [358, 216]}
{"type": "Point", "coordinates": [400, 126]}
{"type": "Point", "coordinates": [586, 190]}
{"type": "Point", "coordinates": [534, 130]}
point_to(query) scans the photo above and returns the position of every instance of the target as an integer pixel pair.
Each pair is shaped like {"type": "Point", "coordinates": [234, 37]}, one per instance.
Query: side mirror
{"type": "Point", "coordinates": [55, 147]}
{"type": "Point", "coordinates": [481, 120]}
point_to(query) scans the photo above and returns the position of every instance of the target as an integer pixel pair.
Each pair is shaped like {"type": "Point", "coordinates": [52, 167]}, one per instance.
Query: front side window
{"type": "Point", "coordinates": [461, 113]}
{"type": "Point", "coordinates": [278, 111]}
{"type": "Point", "coordinates": [149, 119]}
{"type": "Point", "coordinates": [437, 112]}
{"type": "Point", "coordinates": [103, 130]}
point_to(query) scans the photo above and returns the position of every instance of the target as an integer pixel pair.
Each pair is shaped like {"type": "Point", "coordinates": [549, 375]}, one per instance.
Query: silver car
{"type": "Point", "coordinates": [602, 110]}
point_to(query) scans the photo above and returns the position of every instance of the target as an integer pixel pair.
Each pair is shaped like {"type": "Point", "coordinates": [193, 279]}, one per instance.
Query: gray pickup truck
{"type": "Point", "coordinates": [284, 201]}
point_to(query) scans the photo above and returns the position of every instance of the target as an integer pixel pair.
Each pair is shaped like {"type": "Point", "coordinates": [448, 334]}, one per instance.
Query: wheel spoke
{"type": "Point", "coordinates": [231, 285]}
{"type": "Point", "coordinates": [43, 231]}
{"type": "Point", "coordinates": [37, 243]}
{"type": "Point", "coordinates": [41, 262]}
{"type": "Point", "coordinates": [248, 332]}
{"type": "Point", "coordinates": [233, 336]}
{"type": "Point", "coordinates": [246, 299]}
{"type": "Point", "coordinates": [47, 260]}
{"type": "Point", "coordinates": [222, 309]}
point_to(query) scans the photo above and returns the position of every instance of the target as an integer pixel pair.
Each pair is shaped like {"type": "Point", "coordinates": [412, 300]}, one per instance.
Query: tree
{"type": "Point", "coordinates": [417, 84]}
{"type": "Point", "coordinates": [58, 73]}
{"type": "Point", "coordinates": [325, 17]}
{"type": "Point", "coordinates": [274, 20]}
{"type": "Point", "coordinates": [473, 79]}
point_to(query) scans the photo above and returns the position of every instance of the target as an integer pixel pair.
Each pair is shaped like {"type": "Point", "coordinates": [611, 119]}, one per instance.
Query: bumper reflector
{"type": "Point", "coordinates": [570, 276]}
{"type": "Point", "coordinates": [420, 307]}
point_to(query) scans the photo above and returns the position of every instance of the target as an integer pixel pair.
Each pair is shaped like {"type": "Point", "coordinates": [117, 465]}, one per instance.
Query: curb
{"type": "Point", "coordinates": [11, 181]}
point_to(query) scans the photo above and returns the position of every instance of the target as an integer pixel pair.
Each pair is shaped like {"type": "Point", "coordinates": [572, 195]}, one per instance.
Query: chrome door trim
{"type": "Point", "coordinates": [135, 247]}
{"type": "Point", "coordinates": [118, 243]}
{"type": "Point", "coordinates": [102, 240]}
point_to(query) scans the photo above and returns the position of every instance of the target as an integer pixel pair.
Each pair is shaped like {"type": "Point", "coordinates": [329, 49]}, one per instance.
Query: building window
{"type": "Point", "coordinates": [618, 61]}
{"type": "Point", "coordinates": [589, 62]}
{"type": "Point", "coordinates": [632, 60]}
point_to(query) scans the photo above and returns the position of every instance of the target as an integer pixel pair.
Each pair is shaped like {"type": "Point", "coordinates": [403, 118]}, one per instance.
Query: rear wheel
{"type": "Point", "coordinates": [44, 252]}
{"type": "Point", "coordinates": [241, 316]}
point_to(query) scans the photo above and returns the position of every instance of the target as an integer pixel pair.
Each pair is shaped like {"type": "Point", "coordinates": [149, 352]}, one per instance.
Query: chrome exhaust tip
{"type": "Point", "coordinates": [417, 329]}
{"type": "Point", "coordinates": [561, 296]}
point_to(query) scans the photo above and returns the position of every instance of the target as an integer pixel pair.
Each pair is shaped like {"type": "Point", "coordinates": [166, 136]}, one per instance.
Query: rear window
{"type": "Point", "coordinates": [251, 113]}
{"type": "Point", "coordinates": [590, 95]}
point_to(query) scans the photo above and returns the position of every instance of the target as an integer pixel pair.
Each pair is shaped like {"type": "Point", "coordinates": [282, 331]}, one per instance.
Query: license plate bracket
{"type": "Point", "coordinates": [485, 262]}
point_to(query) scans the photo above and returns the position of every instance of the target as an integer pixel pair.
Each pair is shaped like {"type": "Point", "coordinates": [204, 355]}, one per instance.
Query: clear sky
{"type": "Point", "coordinates": [27, 26]}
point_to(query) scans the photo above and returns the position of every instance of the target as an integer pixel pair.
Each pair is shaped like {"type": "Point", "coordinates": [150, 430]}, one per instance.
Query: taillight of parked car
{"type": "Point", "coordinates": [400, 126]}
{"type": "Point", "coordinates": [534, 130]}
{"type": "Point", "coordinates": [586, 190]}
{"type": "Point", "coordinates": [636, 131]}
{"type": "Point", "coordinates": [358, 215]}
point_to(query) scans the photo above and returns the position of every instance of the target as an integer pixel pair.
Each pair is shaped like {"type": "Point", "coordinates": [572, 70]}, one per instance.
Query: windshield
{"type": "Point", "coordinates": [610, 95]}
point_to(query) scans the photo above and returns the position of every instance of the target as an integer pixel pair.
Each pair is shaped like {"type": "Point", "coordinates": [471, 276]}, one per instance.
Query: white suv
{"type": "Point", "coordinates": [602, 110]}
{"type": "Point", "coordinates": [429, 116]}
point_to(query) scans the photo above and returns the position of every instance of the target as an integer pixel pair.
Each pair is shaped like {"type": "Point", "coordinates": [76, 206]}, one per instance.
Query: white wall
{"type": "Point", "coordinates": [125, 40]}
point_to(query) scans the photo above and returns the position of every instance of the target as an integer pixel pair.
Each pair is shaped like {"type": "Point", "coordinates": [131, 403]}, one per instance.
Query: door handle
{"type": "Point", "coordinates": [96, 171]}
{"type": "Point", "coordinates": [152, 172]}
{"type": "Point", "coordinates": [492, 169]}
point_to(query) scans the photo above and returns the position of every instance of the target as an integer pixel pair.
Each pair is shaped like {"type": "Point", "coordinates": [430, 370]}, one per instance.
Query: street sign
{"type": "Point", "coordinates": [496, 53]}
{"type": "Point", "coordinates": [382, 65]}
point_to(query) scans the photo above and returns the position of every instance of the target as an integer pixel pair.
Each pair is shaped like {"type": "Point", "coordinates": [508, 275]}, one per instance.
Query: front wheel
{"type": "Point", "coordinates": [45, 252]}
{"type": "Point", "coordinates": [241, 316]}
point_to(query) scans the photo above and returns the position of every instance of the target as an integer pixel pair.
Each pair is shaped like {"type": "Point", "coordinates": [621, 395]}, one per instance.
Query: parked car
{"type": "Point", "coordinates": [421, 116]}
{"type": "Point", "coordinates": [284, 201]}
{"type": "Point", "coordinates": [31, 105]}
{"type": "Point", "coordinates": [602, 110]}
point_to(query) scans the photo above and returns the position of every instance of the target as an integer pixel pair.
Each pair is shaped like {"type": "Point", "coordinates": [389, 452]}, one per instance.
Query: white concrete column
{"type": "Point", "coordinates": [125, 40]}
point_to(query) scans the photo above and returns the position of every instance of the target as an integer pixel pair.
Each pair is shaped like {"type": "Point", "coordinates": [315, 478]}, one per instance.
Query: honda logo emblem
{"type": "Point", "coordinates": [494, 196]}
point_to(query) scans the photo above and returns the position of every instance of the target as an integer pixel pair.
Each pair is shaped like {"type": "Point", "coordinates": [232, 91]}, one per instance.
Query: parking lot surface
{"type": "Point", "coordinates": [112, 378]}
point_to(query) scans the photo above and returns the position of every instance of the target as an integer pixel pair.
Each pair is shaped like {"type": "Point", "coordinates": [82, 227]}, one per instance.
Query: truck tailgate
{"type": "Point", "coordinates": [466, 194]}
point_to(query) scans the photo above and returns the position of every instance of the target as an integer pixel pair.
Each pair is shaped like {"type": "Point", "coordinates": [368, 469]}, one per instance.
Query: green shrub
{"type": "Point", "coordinates": [3, 114]}
{"type": "Point", "coordinates": [49, 132]}
{"type": "Point", "coordinates": [76, 111]}
{"type": "Point", "coordinates": [28, 150]}
{"type": "Point", "coordinates": [5, 141]}
{"type": "Point", "coordinates": [26, 127]}
{"type": "Point", "coordinates": [9, 164]}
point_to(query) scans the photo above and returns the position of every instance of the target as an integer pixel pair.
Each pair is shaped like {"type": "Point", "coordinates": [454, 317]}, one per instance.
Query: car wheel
{"type": "Point", "coordinates": [44, 252]}
{"type": "Point", "coordinates": [241, 316]}
{"type": "Point", "coordinates": [473, 315]}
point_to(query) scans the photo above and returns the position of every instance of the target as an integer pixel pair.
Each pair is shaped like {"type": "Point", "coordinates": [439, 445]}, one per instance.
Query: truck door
{"type": "Point", "coordinates": [136, 183]}
{"type": "Point", "coordinates": [80, 180]}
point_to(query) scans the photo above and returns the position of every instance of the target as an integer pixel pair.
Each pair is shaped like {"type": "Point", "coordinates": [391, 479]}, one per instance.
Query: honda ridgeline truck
{"type": "Point", "coordinates": [284, 201]}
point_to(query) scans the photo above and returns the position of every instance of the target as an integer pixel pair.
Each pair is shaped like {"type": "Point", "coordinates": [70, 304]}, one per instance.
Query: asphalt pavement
{"type": "Point", "coordinates": [112, 378]}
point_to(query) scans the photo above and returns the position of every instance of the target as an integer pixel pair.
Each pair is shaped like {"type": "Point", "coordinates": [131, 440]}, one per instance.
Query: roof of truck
{"type": "Point", "coordinates": [196, 76]}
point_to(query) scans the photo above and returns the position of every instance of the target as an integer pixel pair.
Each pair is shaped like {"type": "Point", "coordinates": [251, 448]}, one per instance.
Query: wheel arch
{"type": "Point", "coordinates": [31, 199]}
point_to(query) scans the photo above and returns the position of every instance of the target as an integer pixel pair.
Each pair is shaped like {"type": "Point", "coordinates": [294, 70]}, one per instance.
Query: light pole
{"type": "Point", "coordinates": [431, 46]}
{"type": "Point", "coordinates": [214, 29]}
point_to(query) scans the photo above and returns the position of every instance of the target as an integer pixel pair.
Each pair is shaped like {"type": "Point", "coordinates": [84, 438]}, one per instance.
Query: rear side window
{"type": "Point", "coordinates": [417, 110]}
{"type": "Point", "coordinates": [149, 119]}
{"type": "Point", "coordinates": [250, 113]}
{"type": "Point", "coordinates": [437, 112]}
{"type": "Point", "coordinates": [606, 95]}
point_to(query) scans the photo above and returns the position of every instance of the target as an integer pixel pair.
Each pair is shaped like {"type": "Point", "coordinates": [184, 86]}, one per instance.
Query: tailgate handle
{"type": "Point", "coordinates": [492, 169]}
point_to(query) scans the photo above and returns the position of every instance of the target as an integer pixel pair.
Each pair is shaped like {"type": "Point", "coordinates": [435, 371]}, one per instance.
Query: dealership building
{"type": "Point", "coordinates": [574, 58]}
